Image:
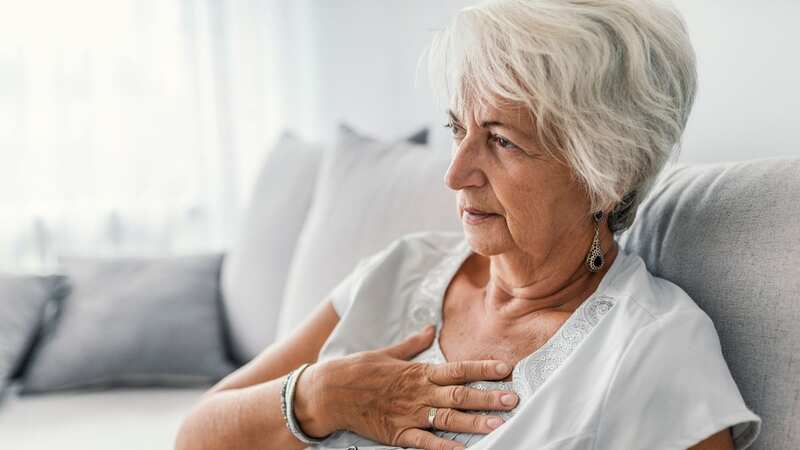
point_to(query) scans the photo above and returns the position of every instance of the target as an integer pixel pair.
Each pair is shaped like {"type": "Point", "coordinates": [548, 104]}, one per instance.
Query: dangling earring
{"type": "Point", "coordinates": [595, 260]}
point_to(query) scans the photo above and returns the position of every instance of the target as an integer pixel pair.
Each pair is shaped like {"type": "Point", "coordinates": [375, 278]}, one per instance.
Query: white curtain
{"type": "Point", "coordinates": [133, 126]}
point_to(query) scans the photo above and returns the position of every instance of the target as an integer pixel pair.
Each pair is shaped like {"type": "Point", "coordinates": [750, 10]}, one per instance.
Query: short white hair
{"type": "Point", "coordinates": [609, 83]}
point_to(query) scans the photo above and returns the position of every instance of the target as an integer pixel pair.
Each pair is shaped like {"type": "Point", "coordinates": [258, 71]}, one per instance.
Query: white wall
{"type": "Point", "coordinates": [356, 61]}
{"type": "Point", "coordinates": [748, 105]}
{"type": "Point", "coordinates": [361, 57]}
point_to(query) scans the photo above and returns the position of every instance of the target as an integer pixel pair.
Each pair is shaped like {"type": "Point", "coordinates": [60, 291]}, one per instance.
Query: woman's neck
{"type": "Point", "coordinates": [515, 289]}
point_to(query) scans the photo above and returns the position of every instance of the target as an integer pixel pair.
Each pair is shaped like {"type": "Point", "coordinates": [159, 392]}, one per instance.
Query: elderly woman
{"type": "Point", "coordinates": [545, 334]}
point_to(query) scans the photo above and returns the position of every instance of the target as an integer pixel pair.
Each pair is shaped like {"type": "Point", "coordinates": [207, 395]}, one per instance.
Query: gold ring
{"type": "Point", "coordinates": [432, 416]}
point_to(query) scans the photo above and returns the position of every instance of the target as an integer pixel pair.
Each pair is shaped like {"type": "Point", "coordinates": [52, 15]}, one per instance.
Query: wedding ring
{"type": "Point", "coordinates": [432, 416]}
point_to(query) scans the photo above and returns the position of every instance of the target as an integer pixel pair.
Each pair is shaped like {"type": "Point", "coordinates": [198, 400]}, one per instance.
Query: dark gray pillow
{"type": "Point", "coordinates": [23, 299]}
{"type": "Point", "coordinates": [134, 322]}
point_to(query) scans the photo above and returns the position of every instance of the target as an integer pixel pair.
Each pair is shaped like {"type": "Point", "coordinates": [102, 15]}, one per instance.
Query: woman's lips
{"type": "Point", "coordinates": [473, 216]}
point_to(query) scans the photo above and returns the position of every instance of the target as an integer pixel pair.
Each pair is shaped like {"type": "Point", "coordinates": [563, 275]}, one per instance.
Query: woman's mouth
{"type": "Point", "coordinates": [473, 217]}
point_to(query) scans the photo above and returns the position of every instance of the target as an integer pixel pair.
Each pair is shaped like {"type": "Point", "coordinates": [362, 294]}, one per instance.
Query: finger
{"type": "Point", "coordinates": [463, 397]}
{"type": "Point", "coordinates": [416, 438]}
{"type": "Point", "coordinates": [461, 372]}
{"type": "Point", "coordinates": [453, 420]}
{"type": "Point", "coordinates": [412, 345]}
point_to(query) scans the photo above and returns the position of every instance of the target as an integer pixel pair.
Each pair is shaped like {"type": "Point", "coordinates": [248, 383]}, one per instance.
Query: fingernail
{"type": "Point", "coordinates": [428, 329]}
{"type": "Point", "coordinates": [494, 422]}
{"type": "Point", "coordinates": [502, 368]}
{"type": "Point", "coordinates": [507, 399]}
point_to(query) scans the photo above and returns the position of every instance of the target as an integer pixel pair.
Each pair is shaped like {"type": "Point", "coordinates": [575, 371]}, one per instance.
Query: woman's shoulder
{"type": "Point", "coordinates": [375, 301]}
{"type": "Point", "coordinates": [670, 364]}
{"type": "Point", "coordinates": [381, 282]}
{"type": "Point", "coordinates": [647, 296]}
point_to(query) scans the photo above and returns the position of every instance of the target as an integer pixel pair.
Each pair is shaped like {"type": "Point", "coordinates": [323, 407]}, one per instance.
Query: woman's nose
{"type": "Point", "coordinates": [464, 170]}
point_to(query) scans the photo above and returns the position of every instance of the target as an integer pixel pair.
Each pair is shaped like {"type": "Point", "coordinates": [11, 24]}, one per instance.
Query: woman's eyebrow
{"type": "Point", "coordinates": [453, 116]}
{"type": "Point", "coordinates": [486, 124]}
{"type": "Point", "coordinates": [489, 123]}
{"type": "Point", "coordinates": [497, 123]}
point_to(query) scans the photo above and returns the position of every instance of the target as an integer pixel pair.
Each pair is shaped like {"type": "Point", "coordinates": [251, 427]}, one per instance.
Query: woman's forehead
{"type": "Point", "coordinates": [506, 113]}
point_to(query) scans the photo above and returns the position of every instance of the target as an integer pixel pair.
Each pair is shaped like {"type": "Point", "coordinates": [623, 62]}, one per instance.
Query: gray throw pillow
{"type": "Point", "coordinates": [729, 235]}
{"type": "Point", "coordinates": [134, 322]}
{"type": "Point", "coordinates": [23, 299]}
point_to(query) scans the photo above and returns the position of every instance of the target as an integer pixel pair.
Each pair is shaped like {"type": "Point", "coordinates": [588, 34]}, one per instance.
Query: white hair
{"type": "Point", "coordinates": [609, 84]}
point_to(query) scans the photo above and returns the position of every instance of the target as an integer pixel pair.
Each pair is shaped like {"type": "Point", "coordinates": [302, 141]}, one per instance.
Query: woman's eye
{"type": "Point", "coordinates": [503, 142]}
{"type": "Point", "coordinates": [455, 129]}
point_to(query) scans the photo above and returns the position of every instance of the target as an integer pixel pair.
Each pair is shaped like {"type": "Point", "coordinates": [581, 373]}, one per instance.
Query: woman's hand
{"type": "Point", "coordinates": [384, 397]}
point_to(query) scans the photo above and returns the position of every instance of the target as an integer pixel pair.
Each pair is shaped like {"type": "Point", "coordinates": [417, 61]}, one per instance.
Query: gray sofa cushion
{"type": "Point", "coordinates": [134, 322]}
{"type": "Point", "coordinates": [23, 299]}
{"type": "Point", "coordinates": [729, 235]}
{"type": "Point", "coordinates": [255, 268]}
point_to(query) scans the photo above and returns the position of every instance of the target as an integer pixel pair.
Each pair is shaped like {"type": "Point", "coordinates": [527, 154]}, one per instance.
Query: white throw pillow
{"type": "Point", "coordinates": [368, 194]}
{"type": "Point", "coordinates": [255, 269]}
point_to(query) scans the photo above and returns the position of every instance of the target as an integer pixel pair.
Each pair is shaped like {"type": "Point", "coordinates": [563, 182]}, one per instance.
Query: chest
{"type": "Point", "coordinates": [469, 333]}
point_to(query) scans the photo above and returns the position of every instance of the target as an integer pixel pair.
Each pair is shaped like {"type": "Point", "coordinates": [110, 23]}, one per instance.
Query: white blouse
{"type": "Point", "coordinates": [638, 365]}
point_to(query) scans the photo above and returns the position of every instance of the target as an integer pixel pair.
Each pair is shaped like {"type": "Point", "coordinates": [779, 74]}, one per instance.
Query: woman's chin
{"type": "Point", "coordinates": [485, 240]}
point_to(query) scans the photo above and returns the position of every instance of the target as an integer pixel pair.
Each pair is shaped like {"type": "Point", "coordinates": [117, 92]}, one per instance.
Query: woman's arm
{"type": "Point", "coordinates": [718, 441]}
{"type": "Point", "coordinates": [243, 409]}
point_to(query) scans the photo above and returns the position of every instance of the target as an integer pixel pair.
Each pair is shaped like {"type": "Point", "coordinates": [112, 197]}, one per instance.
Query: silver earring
{"type": "Point", "coordinates": [595, 260]}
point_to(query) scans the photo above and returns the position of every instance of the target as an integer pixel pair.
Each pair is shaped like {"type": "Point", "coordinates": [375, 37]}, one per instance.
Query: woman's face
{"type": "Point", "coordinates": [535, 204]}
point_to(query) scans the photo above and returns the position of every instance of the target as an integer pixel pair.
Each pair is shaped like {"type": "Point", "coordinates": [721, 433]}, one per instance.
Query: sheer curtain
{"type": "Point", "coordinates": [132, 126]}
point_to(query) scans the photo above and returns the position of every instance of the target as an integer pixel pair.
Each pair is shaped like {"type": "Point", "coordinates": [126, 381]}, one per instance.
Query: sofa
{"type": "Point", "coordinates": [728, 233]}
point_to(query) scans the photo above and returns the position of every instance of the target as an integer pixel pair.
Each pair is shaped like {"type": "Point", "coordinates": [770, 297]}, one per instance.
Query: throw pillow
{"type": "Point", "coordinates": [23, 299]}
{"type": "Point", "coordinates": [134, 322]}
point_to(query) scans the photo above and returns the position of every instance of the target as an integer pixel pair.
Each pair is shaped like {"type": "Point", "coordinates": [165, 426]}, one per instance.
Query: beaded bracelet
{"type": "Point", "coordinates": [287, 407]}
